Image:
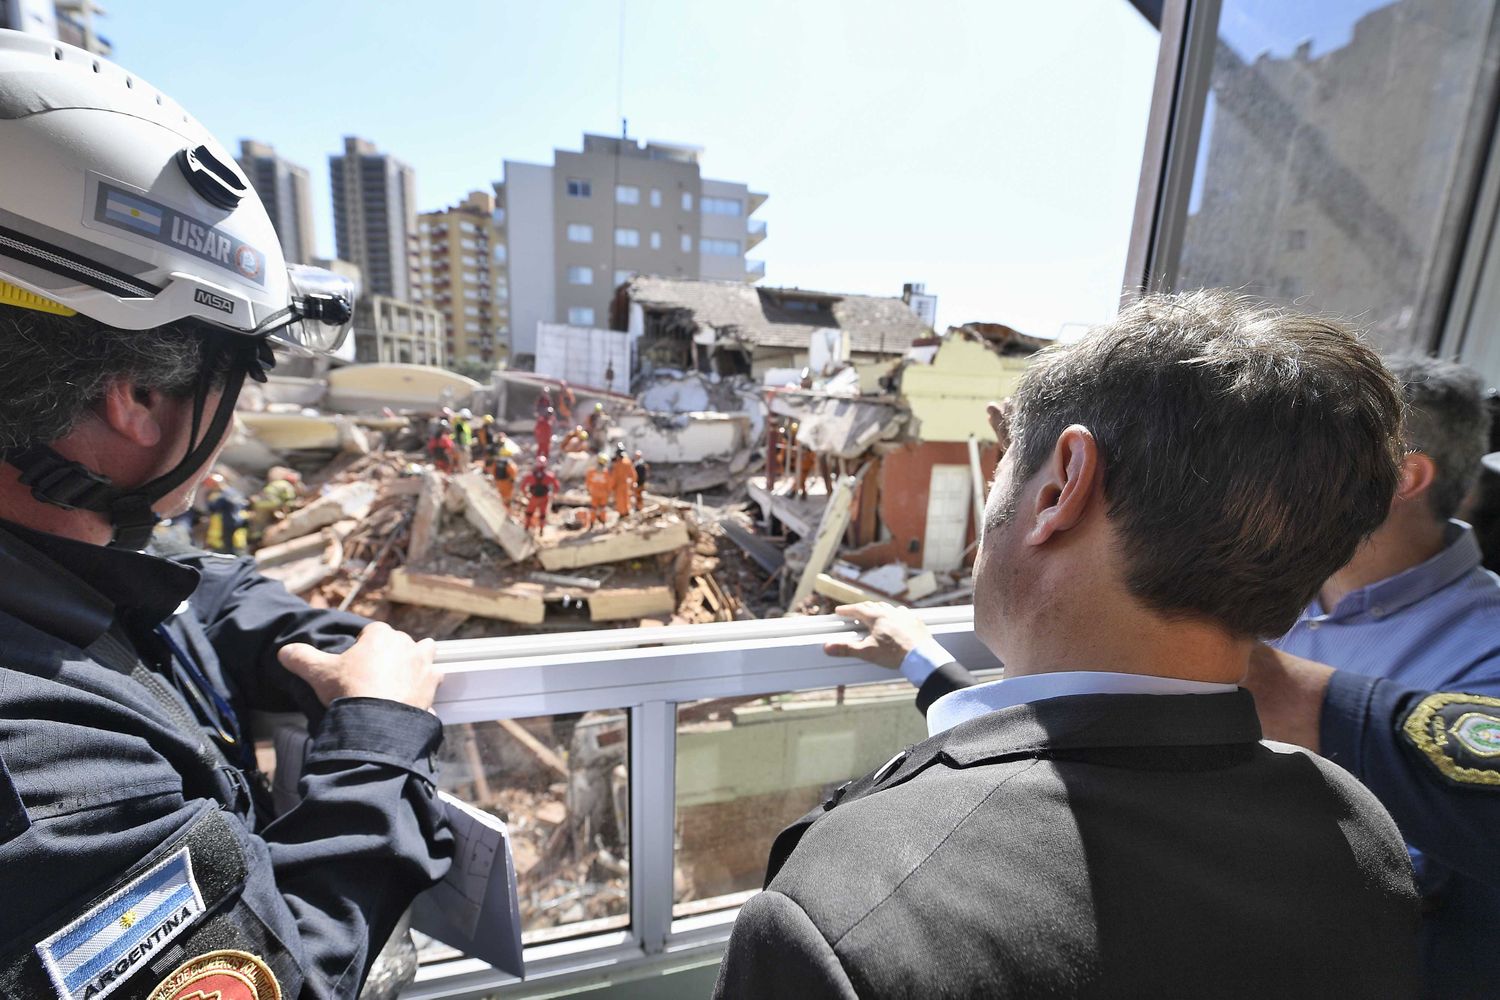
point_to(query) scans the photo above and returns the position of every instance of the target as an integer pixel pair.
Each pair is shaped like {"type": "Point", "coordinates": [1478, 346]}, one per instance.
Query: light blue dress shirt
{"type": "Point", "coordinates": [1433, 627]}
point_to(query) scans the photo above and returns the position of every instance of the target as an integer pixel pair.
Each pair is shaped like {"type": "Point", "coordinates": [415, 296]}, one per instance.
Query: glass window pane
{"type": "Point", "coordinates": [746, 767]}
{"type": "Point", "coordinates": [1338, 150]}
{"type": "Point", "coordinates": [561, 783]}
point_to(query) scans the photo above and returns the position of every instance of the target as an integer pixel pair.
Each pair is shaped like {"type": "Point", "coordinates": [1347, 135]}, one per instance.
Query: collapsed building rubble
{"type": "Point", "coordinates": [884, 510]}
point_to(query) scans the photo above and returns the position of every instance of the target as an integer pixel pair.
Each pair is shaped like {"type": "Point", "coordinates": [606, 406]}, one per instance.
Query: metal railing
{"type": "Point", "coordinates": [647, 672]}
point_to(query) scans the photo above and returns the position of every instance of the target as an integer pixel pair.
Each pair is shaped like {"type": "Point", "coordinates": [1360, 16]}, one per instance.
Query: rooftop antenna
{"type": "Point", "coordinates": [620, 78]}
{"type": "Point", "coordinates": [614, 194]}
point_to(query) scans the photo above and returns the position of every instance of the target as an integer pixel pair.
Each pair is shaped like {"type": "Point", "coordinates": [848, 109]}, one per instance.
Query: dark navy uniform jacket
{"type": "Point", "coordinates": [1433, 761]}
{"type": "Point", "coordinates": [132, 842]}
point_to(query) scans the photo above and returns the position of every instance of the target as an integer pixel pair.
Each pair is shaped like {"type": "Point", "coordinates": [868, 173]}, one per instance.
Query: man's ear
{"type": "Point", "coordinates": [1418, 471]}
{"type": "Point", "coordinates": [133, 413]}
{"type": "Point", "coordinates": [1069, 483]}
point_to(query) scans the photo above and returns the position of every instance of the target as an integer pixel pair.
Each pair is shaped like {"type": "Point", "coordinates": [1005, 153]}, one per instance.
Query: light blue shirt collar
{"type": "Point", "coordinates": [972, 702]}
{"type": "Point", "coordinates": [1459, 557]}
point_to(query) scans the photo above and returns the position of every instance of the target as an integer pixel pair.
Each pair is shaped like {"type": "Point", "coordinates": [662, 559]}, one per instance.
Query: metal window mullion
{"type": "Point", "coordinates": [1189, 37]}
{"type": "Point", "coordinates": [653, 807]}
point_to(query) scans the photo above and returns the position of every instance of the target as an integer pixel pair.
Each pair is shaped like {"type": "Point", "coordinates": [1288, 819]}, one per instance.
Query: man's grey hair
{"type": "Point", "coordinates": [55, 369]}
{"type": "Point", "coordinates": [1446, 420]}
{"type": "Point", "coordinates": [1247, 449]}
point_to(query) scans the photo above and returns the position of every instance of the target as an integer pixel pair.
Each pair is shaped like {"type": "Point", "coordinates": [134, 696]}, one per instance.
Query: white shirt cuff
{"type": "Point", "coordinates": [924, 658]}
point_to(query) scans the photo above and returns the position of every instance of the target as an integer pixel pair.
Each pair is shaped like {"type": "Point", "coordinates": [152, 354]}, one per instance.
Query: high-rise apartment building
{"type": "Point", "coordinates": [286, 191]}
{"type": "Point", "coordinates": [374, 215]}
{"type": "Point", "coordinates": [569, 234]}
{"type": "Point", "coordinates": [460, 268]}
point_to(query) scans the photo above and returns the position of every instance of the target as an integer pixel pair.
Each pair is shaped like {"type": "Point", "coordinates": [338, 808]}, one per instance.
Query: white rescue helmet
{"type": "Point", "coordinates": [118, 205]}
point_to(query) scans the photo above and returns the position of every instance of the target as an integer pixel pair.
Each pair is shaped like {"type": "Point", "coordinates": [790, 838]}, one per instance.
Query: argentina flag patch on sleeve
{"type": "Point", "coordinates": [96, 953]}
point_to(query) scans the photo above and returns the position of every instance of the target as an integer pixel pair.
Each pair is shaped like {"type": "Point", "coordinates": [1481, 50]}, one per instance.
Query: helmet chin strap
{"type": "Point", "coordinates": [70, 485]}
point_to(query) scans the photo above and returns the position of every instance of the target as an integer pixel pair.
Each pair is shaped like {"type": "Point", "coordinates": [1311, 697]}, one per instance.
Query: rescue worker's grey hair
{"type": "Point", "coordinates": [1446, 420]}
{"type": "Point", "coordinates": [1247, 449]}
{"type": "Point", "coordinates": [55, 369]}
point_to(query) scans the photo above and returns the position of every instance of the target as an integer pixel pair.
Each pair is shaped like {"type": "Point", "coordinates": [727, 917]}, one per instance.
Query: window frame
{"type": "Point", "coordinates": [1464, 306]}
{"type": "Point", "coordinates": [526, 676]}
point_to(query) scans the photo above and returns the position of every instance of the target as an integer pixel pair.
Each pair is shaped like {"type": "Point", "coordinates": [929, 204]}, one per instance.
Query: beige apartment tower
{"type": "Point", "coordinates": [569, 234]}
{"type": "Point", "coordinates": [460, 269]}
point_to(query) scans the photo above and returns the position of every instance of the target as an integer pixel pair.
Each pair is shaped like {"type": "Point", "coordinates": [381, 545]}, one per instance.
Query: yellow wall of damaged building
{"type": "Point", "coordinates": [947, 397]}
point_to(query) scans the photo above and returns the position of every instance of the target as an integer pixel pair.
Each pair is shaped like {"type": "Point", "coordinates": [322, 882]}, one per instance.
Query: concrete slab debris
{"type": "Point", "coordinates": [559, 579]}
{"type": "Point", "coordinates": [349, 500]}
{"type": "Point", "coordinates": [427, 518]}
{"type": "Point", "coordinates": [844, 591]}
{"type": "Point", "coordinates": [623, 603]}
{"type": "Point", "coordinates": [924, 584]}
{"type": "Point", "coordinates": [826, 541]}
{"type": "Point", "coordinates": [269, 556]}
{"type": "Point", "coordinates": [486, 511]}
{"type": "Point", "coordinates": [666, 535]}
{"type": "Point", "coordinates": [368, 388]}
{"type": "Point", "coordinates": [521, 602]}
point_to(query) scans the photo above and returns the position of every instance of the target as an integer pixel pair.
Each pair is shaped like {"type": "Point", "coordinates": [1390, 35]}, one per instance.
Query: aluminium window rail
{"type": "Point", "coordinates": [647, 671]}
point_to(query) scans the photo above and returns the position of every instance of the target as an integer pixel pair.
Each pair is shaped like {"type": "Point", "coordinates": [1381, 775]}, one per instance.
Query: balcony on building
{"type": "Point", "coordinates": [755, 233]}
{"type": "Point", "coordinates": [755, 270]}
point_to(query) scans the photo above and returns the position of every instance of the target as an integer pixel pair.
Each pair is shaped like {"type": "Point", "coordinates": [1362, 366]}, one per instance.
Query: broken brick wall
{"type": "Point", "coordinates": [900, 498]}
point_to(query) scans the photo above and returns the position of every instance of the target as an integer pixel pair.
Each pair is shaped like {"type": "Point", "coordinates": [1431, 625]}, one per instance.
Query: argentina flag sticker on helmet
{"type": "Point", "coordinates": [99, 951]}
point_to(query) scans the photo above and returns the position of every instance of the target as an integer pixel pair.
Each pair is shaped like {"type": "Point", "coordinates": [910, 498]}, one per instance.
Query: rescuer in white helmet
{"type": "Point", "coordinates": [140, 284]}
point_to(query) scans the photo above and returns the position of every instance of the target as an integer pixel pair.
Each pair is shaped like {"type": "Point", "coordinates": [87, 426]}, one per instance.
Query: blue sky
{"type": "Point", "coordinates": [991, 149]}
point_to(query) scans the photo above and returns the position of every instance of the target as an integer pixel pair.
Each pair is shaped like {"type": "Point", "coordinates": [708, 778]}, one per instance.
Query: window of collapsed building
{"type": "Point", "coordinates": [729, 358]}
{"type": "Point", "coordinates": [667, 340]}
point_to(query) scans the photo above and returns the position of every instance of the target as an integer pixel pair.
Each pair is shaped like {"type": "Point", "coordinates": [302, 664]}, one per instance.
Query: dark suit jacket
{"type": "Point", "coordinates": [1088, 846]}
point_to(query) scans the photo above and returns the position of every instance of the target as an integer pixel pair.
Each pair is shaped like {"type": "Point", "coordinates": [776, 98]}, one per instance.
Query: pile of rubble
{"type": "Point", "coordinates": [561, 786]}
{"type": "Point", "coordinates": [441, 555]}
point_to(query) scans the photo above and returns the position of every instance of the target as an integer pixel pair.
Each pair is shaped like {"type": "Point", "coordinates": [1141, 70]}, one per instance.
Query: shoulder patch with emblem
{"type": "Point", "coordinates": [222, 975]}
{"type": "Point", "coordinates": [95, 954]}
{"type": "Point", "coordinates": [1459, 734]}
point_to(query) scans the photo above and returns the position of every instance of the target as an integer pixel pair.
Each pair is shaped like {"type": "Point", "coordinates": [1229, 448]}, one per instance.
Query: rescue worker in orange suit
{"type": "Point", "coordinates": [543, 403]}
{"type": "Point", "coordinates": [544, 434]}
{"type": "Point", "coordinates": [642, 471]}
{"type": "Point", "coordinates": [576, 440]}
{"type": "Point", "coordinates": [622, 474]}
{"type": "Point", "coordinates": [539, 486]}
{"type": "Point", "coordinates": [600, 484]}
{"type": "Point", "coordinates": [565, 402]}
{"type": "Point", "coordinates": [504, 472]}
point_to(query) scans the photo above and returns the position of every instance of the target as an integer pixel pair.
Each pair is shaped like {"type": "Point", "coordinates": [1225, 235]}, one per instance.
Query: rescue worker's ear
{"type": "Point", "coordinates": [139, 415]}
